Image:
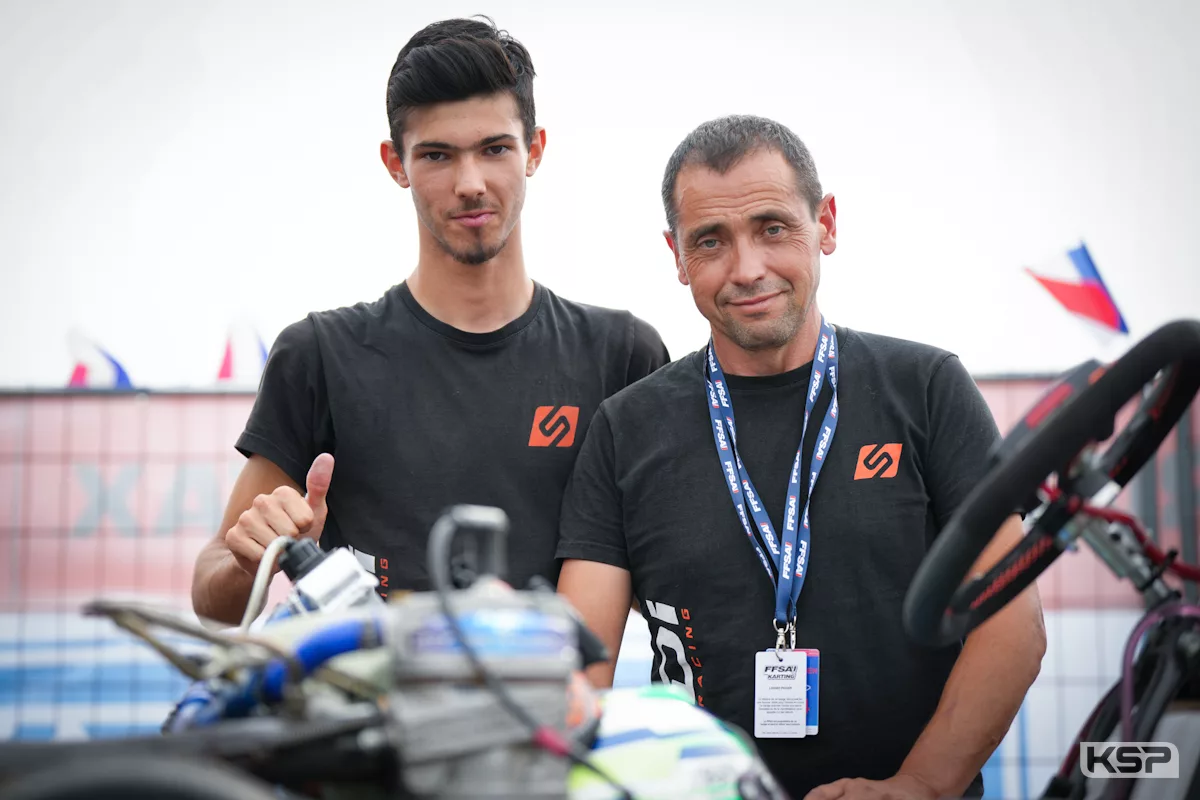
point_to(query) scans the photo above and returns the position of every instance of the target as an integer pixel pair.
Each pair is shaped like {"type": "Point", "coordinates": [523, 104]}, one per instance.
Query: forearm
{"type": "Point", "coordinates": [995, 669]}
{"type": "Point", "coordinates": [602, 595]}
{"type": "Point", "coordinates": [601, 675]}
{"type": "Point", "coordinates": [220, 588]}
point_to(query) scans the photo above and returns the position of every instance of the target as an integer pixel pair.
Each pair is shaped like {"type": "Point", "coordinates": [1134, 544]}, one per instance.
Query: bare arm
{"type": "Point", "coordinates": [998, 663]}
{"type": "Point", "coordinates": [602, 595]}
{"type": "Point", "coordinates": [265, 503]}
{"type": "Point", "coordinates": [1001, 658]}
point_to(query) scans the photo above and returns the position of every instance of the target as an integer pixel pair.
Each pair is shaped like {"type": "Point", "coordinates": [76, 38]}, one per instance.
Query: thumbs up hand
{"type": "Point", "coordinates": [320, 474]}
{"type": "Point", "coordinates": [283, 512]}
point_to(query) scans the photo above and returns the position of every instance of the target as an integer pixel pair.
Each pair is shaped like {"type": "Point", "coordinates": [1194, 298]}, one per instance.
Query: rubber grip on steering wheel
{"type": "Point", "coordinates": [1086, 417]}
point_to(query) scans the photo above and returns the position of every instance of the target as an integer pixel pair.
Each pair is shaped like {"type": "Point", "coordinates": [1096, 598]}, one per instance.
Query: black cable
{"type": "Point", "coordinates": [1069, 782]}
{"type": "Point", "coordinates": [544, 736]}
{"type": "Point", "coordinates": [1168, 677]}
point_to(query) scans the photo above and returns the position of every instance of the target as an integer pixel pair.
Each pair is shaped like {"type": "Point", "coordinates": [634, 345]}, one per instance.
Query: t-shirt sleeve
{"type": "Point", "coordinates": [648, 352]}
{"type": "Point", "coordinates": [591, 526]}
{"type": "Point", "coordinates": [962, 435]}
{"type": "Point", "coordinates": [289, 422]}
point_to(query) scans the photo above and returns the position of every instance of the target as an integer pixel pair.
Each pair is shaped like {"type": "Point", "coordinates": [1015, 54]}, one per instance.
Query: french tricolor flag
{"type": "Point", "coordinates": [95, 367]}
{"type": "Point", "coordinates": [1073, 280]}
{"type": "Point", "coordinates": [244, 358]}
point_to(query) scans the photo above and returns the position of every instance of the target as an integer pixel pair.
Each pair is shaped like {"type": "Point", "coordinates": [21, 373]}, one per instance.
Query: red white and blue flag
{"type": "Point", "coordinates": [95, 367]}
{"type": "Point", "coordinates": [244, 358]}
{"type": "Point", "coordinates": [1073, 280]}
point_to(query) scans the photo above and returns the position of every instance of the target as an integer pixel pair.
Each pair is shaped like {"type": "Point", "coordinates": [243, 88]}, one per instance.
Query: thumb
{"type": "Point", "coordinates": [319, 476]}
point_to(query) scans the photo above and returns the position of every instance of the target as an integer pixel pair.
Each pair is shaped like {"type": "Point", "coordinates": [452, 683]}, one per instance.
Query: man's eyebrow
{"type": "Point", "coordinates": [704, 230]}
{"type": "Point", "coordinates": [484, 142]}
{"type": "Point", "coordinates": [500, 137]}
{"type": "Point", "coordinates": [776, 214]}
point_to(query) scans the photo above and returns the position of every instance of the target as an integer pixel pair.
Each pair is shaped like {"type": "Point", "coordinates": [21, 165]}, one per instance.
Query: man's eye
{"type": "Point", "coordinates": [435, 156]}
{"type": "Point", "coordinates": [497, 150]}
{"type": "Point", "coordinates": [774, 230]}
{"type": "Point", "coordinates": [708, 244]}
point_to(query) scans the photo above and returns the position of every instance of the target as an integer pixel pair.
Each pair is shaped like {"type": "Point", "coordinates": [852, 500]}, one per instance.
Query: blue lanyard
{"type": "Point", "coordinates": [787, 564]}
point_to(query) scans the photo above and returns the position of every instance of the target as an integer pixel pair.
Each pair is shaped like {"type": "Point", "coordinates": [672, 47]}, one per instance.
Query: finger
{"type": "Point", "coordinates": [246, 550]}
{"type": "Point", "coordinates": [320, 475]}
{"type": "Point", "coordinates": [295, 507]}
{"type": "Point", "coordinates": [252, 525]}
{"type": "Point", "coordinates": [276, 516]}
{"type": "Point", "coordinates": [830, 791]}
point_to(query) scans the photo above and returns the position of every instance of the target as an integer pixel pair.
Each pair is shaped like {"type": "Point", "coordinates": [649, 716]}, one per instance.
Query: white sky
{"type": "Point", "coordinates": [167, 168]}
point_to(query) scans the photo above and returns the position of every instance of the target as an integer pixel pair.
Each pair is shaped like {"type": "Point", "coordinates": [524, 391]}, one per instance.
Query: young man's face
{"type": "Point", "coordinates": [466, 163]}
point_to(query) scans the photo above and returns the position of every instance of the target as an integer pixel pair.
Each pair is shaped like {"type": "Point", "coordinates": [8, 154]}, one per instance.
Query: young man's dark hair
{"type": "Point", "coordinates": [456, 59]}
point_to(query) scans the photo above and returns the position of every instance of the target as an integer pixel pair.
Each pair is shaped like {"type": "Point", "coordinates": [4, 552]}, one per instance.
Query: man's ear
{"type": "Point", "coordinates": [393, 164]}
{"type": "Point", "coordinates": [536, 148]}
{"type": "Point", "coordinates": [827, 224]}
{"type": "Point", "coordinates": [681, 273]}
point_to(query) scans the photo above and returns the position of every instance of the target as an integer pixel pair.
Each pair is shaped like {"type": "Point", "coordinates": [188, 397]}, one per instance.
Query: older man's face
{"type": "Point", "coordinates": [749, 246]}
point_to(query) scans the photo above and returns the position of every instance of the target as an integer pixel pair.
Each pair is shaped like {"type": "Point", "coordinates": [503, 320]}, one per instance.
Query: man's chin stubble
{"type": "Point", "coordinates": [768, 337]}
{"type": "Point", "coordinates": [480, 255]}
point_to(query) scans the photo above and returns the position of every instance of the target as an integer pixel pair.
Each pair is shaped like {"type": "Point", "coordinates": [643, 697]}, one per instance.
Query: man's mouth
{"type": "Point", "coordinates": [474, 219]}
{"type": "Point", "coordinates": [756, 303]}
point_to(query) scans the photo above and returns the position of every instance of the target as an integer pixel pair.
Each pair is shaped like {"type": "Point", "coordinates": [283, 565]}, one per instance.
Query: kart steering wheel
{"type": "Point", "coordinates": [1055, 438]}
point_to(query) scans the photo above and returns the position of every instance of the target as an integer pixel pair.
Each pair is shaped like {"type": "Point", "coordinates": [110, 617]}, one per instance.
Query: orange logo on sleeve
{"type": "Point", "coordinates": [878, 461]}
{"type": "Point", "coordinates": [554, 426]}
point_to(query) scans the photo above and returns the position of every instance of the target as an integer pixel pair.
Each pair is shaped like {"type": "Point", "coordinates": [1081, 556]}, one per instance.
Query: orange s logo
{"type": "Point", "coordinates": [554, 426]}
{"type": "Point", "coordinates": [878, 461]}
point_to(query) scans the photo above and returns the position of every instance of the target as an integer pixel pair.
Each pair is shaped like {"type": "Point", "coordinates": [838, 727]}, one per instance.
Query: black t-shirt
{"type": "Point", "coordinates": [649, 495]}
{"type": "Point", "coordinates": [420, 416]}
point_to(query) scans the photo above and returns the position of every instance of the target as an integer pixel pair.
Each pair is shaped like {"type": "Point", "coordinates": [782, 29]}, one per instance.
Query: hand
{"type": "Point", "coordinates": [283, 512]}
{"type": "Point", "coordinates": [897, 787]}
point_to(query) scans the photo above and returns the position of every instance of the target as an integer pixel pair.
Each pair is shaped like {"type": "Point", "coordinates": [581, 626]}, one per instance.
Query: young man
{"type": "Point", "coordinates": [692, 494]}
{"type": "Point", "coordinates": [466, 383]}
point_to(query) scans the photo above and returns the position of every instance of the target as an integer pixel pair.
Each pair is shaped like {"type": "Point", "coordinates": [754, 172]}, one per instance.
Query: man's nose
{"type": "Point", "coordinates": [468, 180]}
{"type": "Point", "coordinates": [749, 263]}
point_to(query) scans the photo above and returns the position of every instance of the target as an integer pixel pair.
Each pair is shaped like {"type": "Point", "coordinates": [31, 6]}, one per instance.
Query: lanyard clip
{"type": "Point", "coordinates": [780, 642]}
{"type": "Point", "coordinates": [791, 628]}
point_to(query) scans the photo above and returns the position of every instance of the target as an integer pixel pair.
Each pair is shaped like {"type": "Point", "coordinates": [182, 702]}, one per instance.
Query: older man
{"type": "Point", "coordinates": [860, 446]}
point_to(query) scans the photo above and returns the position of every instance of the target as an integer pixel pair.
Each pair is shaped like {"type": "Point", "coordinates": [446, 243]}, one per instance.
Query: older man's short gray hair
{"type": "Point", "coordinates": [720, 143]}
